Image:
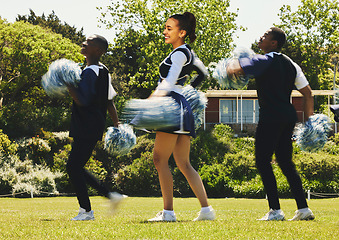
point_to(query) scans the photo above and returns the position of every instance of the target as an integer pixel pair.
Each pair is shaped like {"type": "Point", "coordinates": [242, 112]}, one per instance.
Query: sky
{"type": "Point", "coordinates": [256, 15]}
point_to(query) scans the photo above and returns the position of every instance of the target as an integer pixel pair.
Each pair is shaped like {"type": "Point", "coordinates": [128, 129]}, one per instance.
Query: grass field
{"type": "Point", "coordinates": [49, 218]}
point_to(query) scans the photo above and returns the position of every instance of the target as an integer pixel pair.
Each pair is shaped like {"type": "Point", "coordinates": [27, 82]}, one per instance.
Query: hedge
{"type": "Point", "coordinates": [225, 163]}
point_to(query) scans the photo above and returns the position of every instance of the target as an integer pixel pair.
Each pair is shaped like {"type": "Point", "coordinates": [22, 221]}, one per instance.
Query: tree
{"type": "Point", "coordinates": [313, 36]}
{"type": "Point", "coordinates": [54, 23]}
{"type": "Point", "coordinates": [122, 61]}
{"type": "Point", "coordinates": [215, 26]}
{"type": "Point", "coordinates": [25, 53]}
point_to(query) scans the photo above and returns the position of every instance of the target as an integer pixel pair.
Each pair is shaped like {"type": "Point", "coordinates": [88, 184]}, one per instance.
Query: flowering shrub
{"type": "Point", "coordinates": [36, 149]}
{"type": "Point", "coordinates": [7, 147]}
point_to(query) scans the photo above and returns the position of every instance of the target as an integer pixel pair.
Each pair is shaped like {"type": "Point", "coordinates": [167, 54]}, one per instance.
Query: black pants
{"type": "Point", "coordinates": [276, 138]}
{"type": "Point", "coordinates": [79, 177]}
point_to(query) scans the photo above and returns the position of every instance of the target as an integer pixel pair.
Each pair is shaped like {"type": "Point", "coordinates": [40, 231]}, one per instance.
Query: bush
{"type": "Point", "coordinates": [40, 180]}
{"type": "Point", "coordinates": [6, 145]}
{"type": "Point", "coordinates": [206, 148]}
{"type": "Point", "coordinates": [25, 119]}
{"type": "Point", "coordinates": [59, 165]}
{"type": "Point", "coordinates": [35, 148]}
{"type": "Point", "coordinates": [216, 180]}
{"type": "Point", "coordinates": [318, 166]}
{"type": "Point", "coordinates": [8, 175]}
{"type": "Point", "coordinates": [245, 145]}
{"type": "Point", "coordinates": [18, 176]}
{"type": "Point", "coordinates": [252, 188]}
{"type": "Point", "coordinates": [240, 166]}
{"type": "Point", "coordinates": [226, 165]}
{"type": "Point", "coordinates": [140, 178]}
{"type": "Point", "coordinates": [223, 132]}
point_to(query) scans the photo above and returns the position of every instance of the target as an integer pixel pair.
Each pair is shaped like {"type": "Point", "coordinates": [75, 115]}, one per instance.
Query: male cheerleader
{"type": "Point", "coordinates": [92, 99]}
{"type": "Point", "coordinates": [276, 76]}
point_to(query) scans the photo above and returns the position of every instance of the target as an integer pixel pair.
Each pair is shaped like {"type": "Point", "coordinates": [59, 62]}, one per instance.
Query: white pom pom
{"type": "Point", "coordinates": [198, 103]}
{"type": "Point", "coordinates": [153, 113]}
{"type": "Point", "coordinates": [120, 140]}
{"type": "Point", "coordinates": [313, 135]}
{"type": "Point", "coordinates": [59, 73]}
{"type": "Point", "coordinates": [220, 73]}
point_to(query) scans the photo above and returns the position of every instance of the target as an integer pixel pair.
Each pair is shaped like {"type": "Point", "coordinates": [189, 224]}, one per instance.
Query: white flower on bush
{"type": "Point", "coordinates": [62, 136]}
{"type": "Point", "coordinates": [38, 144]}
{"type": "Point", "coordinates": [23, 177]}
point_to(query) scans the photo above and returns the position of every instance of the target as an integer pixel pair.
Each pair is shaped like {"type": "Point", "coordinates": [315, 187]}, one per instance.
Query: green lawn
{"type": "Point", "coordinates": [49, 218]}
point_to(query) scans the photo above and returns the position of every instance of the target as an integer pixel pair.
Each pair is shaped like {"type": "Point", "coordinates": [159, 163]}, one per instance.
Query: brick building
{"type": "Point", "coordinates": [240, 108]}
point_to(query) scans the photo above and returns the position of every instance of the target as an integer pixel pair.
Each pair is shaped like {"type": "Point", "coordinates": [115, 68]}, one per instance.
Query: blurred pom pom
{"type": "Point", "coordinates": [59, 73]}
{"type": "Point", "coordinates": [120, 140]}
{"type": "Point", "coordinates": [313, 135]}
{"type": "Point", "coordinates": [198, 103]}
{"type": "Point", "coordinates": [153, 113]}
{"type": "Point", "coordinates": [233, 82]}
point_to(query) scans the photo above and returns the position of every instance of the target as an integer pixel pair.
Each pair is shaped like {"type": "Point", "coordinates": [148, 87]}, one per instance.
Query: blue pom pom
{"type": "Point", "coordinates": [198, 103]}
{"type": "Point", "coordinates": [153, 113]}
{"type": "Point", "coordinates": [313, 135]}
{"type": "Point", "coordinates": [60, 72]}
{"type": "Point", "coordinates": [120, 140]}
{"type": "Point", "coordinates": [220, 73]}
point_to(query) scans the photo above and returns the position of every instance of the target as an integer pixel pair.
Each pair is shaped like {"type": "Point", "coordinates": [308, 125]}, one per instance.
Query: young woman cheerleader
{"type": "Point", "coordinates": [173, 74]}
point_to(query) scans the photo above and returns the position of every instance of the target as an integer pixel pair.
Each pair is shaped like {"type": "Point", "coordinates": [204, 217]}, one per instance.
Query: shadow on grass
{"type": "Point", "coordinates": [47, 220]}
{"type": "Point", "coordinates": [154, 222]}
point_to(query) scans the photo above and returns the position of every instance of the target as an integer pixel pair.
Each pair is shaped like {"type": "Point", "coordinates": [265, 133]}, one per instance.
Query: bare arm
{"type": "Point", "coordinates": [74, 95]}
{"type": "Point", "coordinates": [308, 101]}
{"type": "Point", "coordinates": [112, 111]}
{"type": "Point", "coordinates": [234, 69]}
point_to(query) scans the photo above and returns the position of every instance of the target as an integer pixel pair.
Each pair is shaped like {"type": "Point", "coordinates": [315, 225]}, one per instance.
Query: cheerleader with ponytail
{"type": "Point", "coordinates": [176, 140]}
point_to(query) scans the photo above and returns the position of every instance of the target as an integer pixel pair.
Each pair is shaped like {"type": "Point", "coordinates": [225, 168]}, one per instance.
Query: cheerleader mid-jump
{"type": "Point", "coordinates": [176, 140]}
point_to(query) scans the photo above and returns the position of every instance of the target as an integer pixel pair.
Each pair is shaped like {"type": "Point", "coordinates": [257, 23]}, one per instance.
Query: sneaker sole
{"type": "Point", "coordinates": [309, 218]}
{"type": "Point", "coordinates": [283, 219]}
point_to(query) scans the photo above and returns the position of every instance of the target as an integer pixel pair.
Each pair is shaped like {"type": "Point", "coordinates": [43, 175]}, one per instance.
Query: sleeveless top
{"type": "Point", "coordinates": [186, 68]}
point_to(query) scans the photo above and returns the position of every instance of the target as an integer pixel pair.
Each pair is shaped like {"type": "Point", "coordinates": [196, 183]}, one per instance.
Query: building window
{"type": "Point", "coordinates": [239, 110]}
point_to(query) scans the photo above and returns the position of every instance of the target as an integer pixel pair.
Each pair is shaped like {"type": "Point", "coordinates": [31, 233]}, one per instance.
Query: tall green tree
{"type": "Point", "coordinates": [25, 53]}
{"type": "Point", "coordinates": [53, 22]}
{"type": "Point", "coordinates": [313, 36]}
{"type": "Point", "coordinates": [146, 19]}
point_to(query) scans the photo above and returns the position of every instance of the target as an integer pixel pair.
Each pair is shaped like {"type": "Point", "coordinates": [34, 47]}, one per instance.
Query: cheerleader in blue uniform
{"type": "Point", "coordinates": [173, 74]}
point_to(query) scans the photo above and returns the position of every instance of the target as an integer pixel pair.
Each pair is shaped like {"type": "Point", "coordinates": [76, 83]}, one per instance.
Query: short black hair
{"type": "Point", "coordinates": [100, 41]}
{"type": "Point", "coordinates": [279, 35]}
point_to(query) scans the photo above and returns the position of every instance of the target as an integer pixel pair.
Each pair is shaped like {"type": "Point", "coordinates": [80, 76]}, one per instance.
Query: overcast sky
{"type": "Point", "coordinates": [256, 15]}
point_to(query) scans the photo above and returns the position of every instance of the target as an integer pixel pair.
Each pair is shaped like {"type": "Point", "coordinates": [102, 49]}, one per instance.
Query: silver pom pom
{"type": "Point", "coordinates": [198, 103]}
{"type": "Point", "coordinates": [220, 73]}
{"type": "Point", "coordinates": [59, 73]}
{"type": "Point", "coordinates": [120, 140]}
{"type": "Point", "coordinates": [153, 113]}
{"type": "Point", "coordinates": [313, 135]}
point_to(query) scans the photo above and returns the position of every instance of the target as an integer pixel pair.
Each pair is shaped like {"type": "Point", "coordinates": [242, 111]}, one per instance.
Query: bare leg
{"type": "Point", "coordinates": [163, 148]}
{"type": "Point", "coordinates": [181, 155]}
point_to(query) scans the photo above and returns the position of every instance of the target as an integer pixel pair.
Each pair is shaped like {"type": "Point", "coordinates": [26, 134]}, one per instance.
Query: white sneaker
{"type": "Point", "coordinates": [205, 216]}
{"type": "Point", "coordinates": [273, 215]}
{"type": "Point", "coordinates": [303, 214]}
{"type": "Point", "coordinates": [163, 217]}
{"type": "Point", "coordinates": [83, 215]}
{"type": "Point", "coordinates": [115, 199]}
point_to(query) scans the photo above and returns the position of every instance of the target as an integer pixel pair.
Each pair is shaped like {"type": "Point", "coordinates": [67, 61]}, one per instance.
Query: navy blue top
{"type": "Point", "coordinates": [275, 76]}
{"type": "Point", "coordinates": [88, 121]}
